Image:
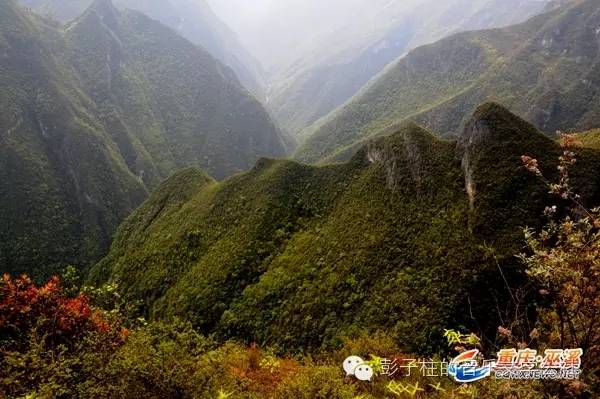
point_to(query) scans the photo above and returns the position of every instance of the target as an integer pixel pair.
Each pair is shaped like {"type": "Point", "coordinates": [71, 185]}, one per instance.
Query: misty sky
{"type": "Point", "coordinates": [276, 31]}
{"type": "Point", "coordinates": [281, 33]}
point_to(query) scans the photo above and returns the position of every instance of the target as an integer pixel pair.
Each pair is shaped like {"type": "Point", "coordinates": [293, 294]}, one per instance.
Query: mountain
{"type": "Point", "coordinates": [545, 70]}
{"type": "Point", "coordinates": [400, 237]}
{"type": "Point", "coordinates": [192, 19]}
{"type": "Point", "coordinates": [95, 115]}
{"type": "Point", "coordinates": [184, 107]}
{"type": "Point", "coordinates": [321, 79]}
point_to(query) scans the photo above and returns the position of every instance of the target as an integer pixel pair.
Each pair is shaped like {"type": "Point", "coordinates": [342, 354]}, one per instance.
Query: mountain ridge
{"type": "Point", "coordinates": [522, 66]}
{"type": "Point", "coordinates": [300, 256]}
{"type": "Point", "coordinates": [193, 20]}
{"type": "Point", "coordinates": [306, 92]}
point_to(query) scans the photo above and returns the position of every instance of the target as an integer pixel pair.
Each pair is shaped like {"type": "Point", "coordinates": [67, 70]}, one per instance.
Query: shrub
{"type": "Point", "coordinates": [46, 310]}
{"type": "Point", "coordinates": [50, 341]}
{"type": "Point", "coordinates": [564, 260]}
{"type": "Point", "coordinates": [158, 361]}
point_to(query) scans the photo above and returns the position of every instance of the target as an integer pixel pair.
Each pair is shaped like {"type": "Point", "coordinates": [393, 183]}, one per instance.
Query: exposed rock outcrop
{"type": "Point", "coordinates": [406, 149]}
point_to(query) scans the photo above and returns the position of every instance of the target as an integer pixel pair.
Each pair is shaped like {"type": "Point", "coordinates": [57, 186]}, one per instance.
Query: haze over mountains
{"type": "Point", "coordinates": [318, 54]}
{"type": "Point", "coordinates": [310, 57]}
{"type": "Point", "coordinates": [192, 19]}
{"type": "Point", "coordinates": [97, 114]}
{"type": "Point", "coordinates": [546, 70]}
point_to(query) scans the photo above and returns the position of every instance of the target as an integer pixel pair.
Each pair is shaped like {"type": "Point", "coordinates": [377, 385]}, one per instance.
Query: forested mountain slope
{"type": "Point", "coordinates": [94, 115]}
{"type": "Point", "coordinates": [545, 70]}
{"type": "Point", "coordinates": [345, 60]}
{"type": "Point", "coordinates": [192, 19]}
{"type": "Point", "coordinates": [404, 237]}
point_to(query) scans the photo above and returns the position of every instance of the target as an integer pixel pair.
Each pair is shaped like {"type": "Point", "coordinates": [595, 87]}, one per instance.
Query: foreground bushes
{"type": "Point", "coordinates": [50, 340]}
{"type": "Point", "coordinates": [158, 361]}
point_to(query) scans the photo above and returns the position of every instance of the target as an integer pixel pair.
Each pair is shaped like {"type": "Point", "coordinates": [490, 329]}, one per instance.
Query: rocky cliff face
{"type": "Point", "coordinates": [489, 150]}
{"type": "Point", "coordinates": [410, 149]}
{"type": "Point", "coordinates": [477, 135]}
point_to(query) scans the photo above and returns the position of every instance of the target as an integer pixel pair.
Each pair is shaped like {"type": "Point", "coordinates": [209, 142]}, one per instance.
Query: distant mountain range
{"type": "Point", "coordinates": [399, 238]}
{"type": "Point", "coordinates": [343, 60]}
{"type": "Point", "coordinates": [96, 114]}
{"type": "Point", "coordinates": [192, 19]}
{"type": "Point", "coordinates": [546, 70]}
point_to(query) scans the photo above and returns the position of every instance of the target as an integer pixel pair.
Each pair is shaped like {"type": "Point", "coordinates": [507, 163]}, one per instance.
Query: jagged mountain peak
{"type": "Point", "coordinates": [411, 148]}
{"type": "Point", "coordinates": [97, 113]}
{"type": "Point", "coordinates": [192, 19]}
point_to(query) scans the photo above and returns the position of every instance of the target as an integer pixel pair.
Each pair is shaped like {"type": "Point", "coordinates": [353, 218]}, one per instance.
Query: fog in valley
{"type": "Point", "coordinates": [280, 33]}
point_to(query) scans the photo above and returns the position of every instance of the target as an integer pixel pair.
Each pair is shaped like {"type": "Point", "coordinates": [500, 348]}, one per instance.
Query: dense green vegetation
{"type": "Point", "coordinates": [321, 81]}
{"type": "Point", "coordinates": [544, 70]}
{"type": "Point", "coordinates": [64, 186]}
{"type": "Point", "coordinates": [194, 20]}
{"type": "Point", "coordinates": [183, 107]}
{"type": "Point", "coordinates": [234, 275]}
{"type": "Point", "coordinates": [164, 361]}
{"type": "Point", "coordinates": [298, 256]}
{"type": "Point", "coordinates": [316, 275]}
{"type": "Point", "coordinates": [96, 114]}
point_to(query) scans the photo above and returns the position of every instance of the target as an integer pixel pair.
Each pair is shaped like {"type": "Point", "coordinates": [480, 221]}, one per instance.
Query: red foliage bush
{"type": "Point", "coordinates": [47, 309]}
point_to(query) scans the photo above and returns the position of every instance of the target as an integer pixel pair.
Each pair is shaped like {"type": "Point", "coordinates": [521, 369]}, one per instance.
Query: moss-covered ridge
{"type": "Point", "coordinates": [298, 256]}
